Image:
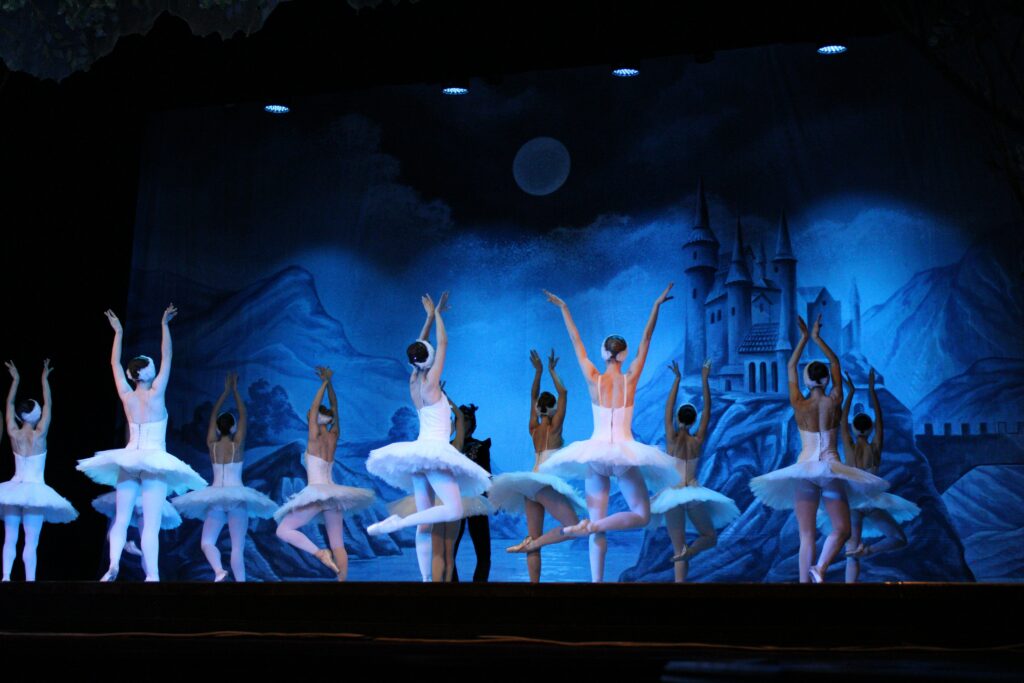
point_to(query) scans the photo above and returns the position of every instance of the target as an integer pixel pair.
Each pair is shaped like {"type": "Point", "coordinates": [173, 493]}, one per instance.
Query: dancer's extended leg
{"type": "Point", "coordinates": [335, 523]}
{"type": "Point", "coordinates": [424, 497]}
{"type": "Point", "coordinates": [634, 490]}
{"type": "Point", "coordinates": [32, 522]}
{"type": "Point", "coordinates": [238, 524]}
{"type": "Point", "coordinates": [597, 487]}
{"type": "Point", "coordinates": [808, 495]}
{"type": "Point", "coordinates": [852, 561]}
{"type": "Point", "coordinates": [707, 537]}
{"type": "Point", "coordinates": [559, 507]}
{"type": "Point", "coordinates": [126, 493]}
{"type": "Point", "coordinates": [675, 523]}
{"type": "Point", "coordinates": [894, 539]}
{"type": "Point", "coordinates": [216, 518]}
{"type": "Point", "coordinates": [834, 496]}
{"type": "Point", "coordinates": [12, 527]}
{"type": "Point", "coordinates": [153, 492]}
{"type": "Point", "coordinates": [288, 528]}
{"type": "Point", "coordinates": [534, 529]}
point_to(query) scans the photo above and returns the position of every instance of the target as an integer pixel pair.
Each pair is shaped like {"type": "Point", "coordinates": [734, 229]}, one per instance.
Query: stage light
{"type": "Point", "coordinates": [276, 109]}
{"type": "Point", "coordinates": [625, 72]}
{"type": "Point", "coordinates": [454, 90]}
{"type": "Point", "coordinates": [831, 49]}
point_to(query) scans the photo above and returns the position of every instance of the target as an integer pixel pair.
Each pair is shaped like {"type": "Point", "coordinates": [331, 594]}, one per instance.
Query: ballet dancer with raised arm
{"type": "Point", "coordinates": [26, 501]}
{"type": "Point", "coordinates": [611, 451]}
{"type": "Point", "coordinates": [322, 499]}
{"type": "Point", "coordinates": [817, 475]}
{"type": "Point", "coordinates": [142, 469]}
{"type": "Point", "coordinates": [688, 504]}
{"type": "Point", "coordinates": [429, 466]}
{"type": "Point", "coordinates": [880, 515]}
{"type": "Point", "coordinates": [535, 493]}
{"type": "Point", "coordinates": [227, 501]}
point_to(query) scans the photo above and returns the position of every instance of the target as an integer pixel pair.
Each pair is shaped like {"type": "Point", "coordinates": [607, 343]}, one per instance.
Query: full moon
{"type": "Point", "coordinates": [541, 166]}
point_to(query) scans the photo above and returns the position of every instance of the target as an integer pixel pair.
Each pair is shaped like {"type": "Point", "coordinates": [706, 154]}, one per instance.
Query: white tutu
{"type": "Point", "coordinates": [144, 454]}
{"type": "Point", "coordinates": [397, 462]}
{"type": "Point", "coordinates": [28, 492]}
{"type": "Point", "coordinates": [321, 491]}
{"type": "Point", "coordinates": [226, 492]}
{"type": "Point", "coordinates": [509, 492]}
{"type": "Point", "coordinates": [819, 464]}
{"type": "Point", "coordinates": [899, 508]}
{"type": "Point", "coordinates": [107, 505]}
{"type": "Point", "coordinates": [612, 458]}
{"type": "Point", "coordinates": [472, 506]}
{"type": "Point", "coordinates": [721, 508]}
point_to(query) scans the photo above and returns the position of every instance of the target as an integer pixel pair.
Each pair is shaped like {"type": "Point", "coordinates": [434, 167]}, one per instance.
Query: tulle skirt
{"type": "Point", "coordinates": [899, 508]}
{"type": "Point", "coordinates": [397, 462]}
{"type": "Point", "coordinates": [327, 497]}
{"type": "Point", "coordinates": [106, 466]}
{"type": "Point", "coordinates": [196, 504]}
{"type": "Point", "coordinates": [509, 492]}
{"type": "Point", "coordinates": [721, 509]}
{"type": "Point", "coordinates": [107, 505]}
{"type": "Point", "coordinates": [612, 458]}
{"type": "Point", "coordinates": [36, 498]}
{"type": "Point", "coordinates": [778, 489]}
{"type": "Point", "coordinates": [472, 506]}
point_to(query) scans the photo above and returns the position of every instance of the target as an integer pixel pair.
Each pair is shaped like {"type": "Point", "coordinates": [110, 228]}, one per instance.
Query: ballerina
{"type": "Point", "coordinates": [106, 505]}
{"type": "Point", "coordinates": [881, 515]}
{"type": "Point", "coordinates": [322, 499]}
{"type": "Point", "coordinates": [26, 500]}
{"type": "Point", "coordinates": [535, 493]}
{"type": "Point", "coordinates": [430, 466]}
{"type": "Point", "coordinates": [142, 469]}
{"type": "Point", "coordinates": [611, 451]}
{"type": "Point", "coordinates": [227, 500]}
{"type": "Point", "coordinates": [707, 510]}
{"type": "Point", "coordinates": [817, 474]}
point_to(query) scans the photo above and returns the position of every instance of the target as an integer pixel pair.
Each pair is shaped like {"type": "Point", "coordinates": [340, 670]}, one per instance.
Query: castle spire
{"type": "Point", "coordinates": [783, 246]}
{"type": "Point", "coordinates": [739, 273]}
{"type": "Point", "coordinates": [700, 231]}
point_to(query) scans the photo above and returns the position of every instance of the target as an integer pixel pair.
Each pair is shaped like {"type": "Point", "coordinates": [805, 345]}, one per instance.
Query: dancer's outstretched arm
{"type": "Point", "coordinates": [833, 360]}
{"type": "Point", "coordinates": [11, 394]}
{"type": "Point", "coordinates": [559, 417]}
{"type": "Point", "coordinates": [670, 406]}
{"type": "Point", "coordinates": [312, 417]}
{"type": "Point", "coordinates": [705, 413]}
{"type": "Point", "coordinates": [844, 424]}
{"type": "Point", "coordinates": [433, 381]}
{"type": "Point", "coordinates": [243, 413]}
{"type": "Point", "coordinates": [44, 419]}
{"type": "Point", "coordinates": [795, 395]}
{"type": "Point", "coordinates": [429, 322]}
{"type": "Point", "coordinates": [211, 429]}
{"type": "Point", "coordinates": [637, 366]}
{"type": "Point", "coordinates": [590, 372]}
{"type": "Point", "coordinates": [878, 439]}
{"type": "Point", "coordinates": [538, 370]}
{"type": "Point", "coordinates": [162, 377]}
{"type": "Point", "coordinates": [332, 398]}
{"type": "Point", "coordinates": [120, 380]}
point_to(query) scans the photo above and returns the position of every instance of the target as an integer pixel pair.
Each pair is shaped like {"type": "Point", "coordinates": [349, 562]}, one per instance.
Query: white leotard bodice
{"type": "Point", "coordinates": [318, 470]}
{"type": "Point", "coordinates": [612, 424]}
{"type": "Point", "coordinates": [143, 435]}
{"type": "Point", "coordinates": [818, 446]}
{"type": "Point", "coordinates": [436, 421]}
{"type": "Point", "coordinates": [29, 468]}
{"type": "Point", "coordinates": [227, 473]}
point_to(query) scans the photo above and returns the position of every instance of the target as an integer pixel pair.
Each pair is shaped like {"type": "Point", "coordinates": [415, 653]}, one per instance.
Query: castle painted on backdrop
{"type": "Point", "coordinates": [741, 309]}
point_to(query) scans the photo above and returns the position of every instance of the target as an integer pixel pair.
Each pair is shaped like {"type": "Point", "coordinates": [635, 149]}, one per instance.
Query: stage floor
{"type": "Point", "coordinates": [506, 631]}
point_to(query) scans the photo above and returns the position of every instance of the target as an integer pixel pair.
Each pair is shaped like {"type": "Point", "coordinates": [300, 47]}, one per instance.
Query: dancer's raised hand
{"type": "Point", "coordinates": [664, 296]}
{"type": "Point", "coordinates": [849, 383]}
{"type": "Point", "coordinates": [803, 326]}
{"type": "Point", "coordinates": [442, 303]}
{"type": "Point", "coordinates": [816, 330]}
{"type": "Point", "coordinates": [705, 369]}
{"type": "Point", "coordinates": [428, 304]}
{"type": "Point", "coordinates": [169, 314]}
{"type": "Point", "coordinates": [553, 299]}
{"type": "Point", "coordinates": [674, 367]}
{"type": "Point", "coordinates": [11, 369]}
{"type": "Point", "coordinates": [47, 368]}
{"type": "Point", "coordinates": [552, 361]}
{"type": "Point", "coordinates": [112, 319]}
{"type": "Point", "coordinates": [535, 360]}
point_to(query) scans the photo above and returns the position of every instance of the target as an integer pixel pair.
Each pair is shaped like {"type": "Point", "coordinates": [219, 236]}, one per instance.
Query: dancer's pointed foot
{"type": "Point", "coordinates": [581, 528]}
{"type": "Point", "coordinates": [110, 576]}
{"type": "Point", "coordinates": [386, 526]}
{"type": "Point", "coordinates": [132, 549]}
{"type": "Point", "coordinates": [523, 547]}
{"type": "Point", "coordinates": [325, 557]}
{"type": "Point", "coordinates": [220, 576]}
{"type": "Point", "coordinates": [681, 557]}
{"type": "Point", "coordinates": [816, 575]}
{"type": "Point", "coordinates": [856, 552]}
{"type": "Point", "coordinates": [152, 579]}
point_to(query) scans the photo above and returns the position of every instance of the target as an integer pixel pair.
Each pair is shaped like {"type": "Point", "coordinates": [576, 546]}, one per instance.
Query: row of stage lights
{"type": "Point", "coordinates": [462, 88]}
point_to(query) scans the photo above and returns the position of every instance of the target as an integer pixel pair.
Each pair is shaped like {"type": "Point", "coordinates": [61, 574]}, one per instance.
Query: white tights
{"type": "Point", "coordinates": [425, 486]}
{"type": "Point", "coordinates": [153, 492]}
{"type": "Point", "coordinates": [634, 490]}
{"type": "Point", "coordinates": [33, 524]}
{"type": "Point", "coordinates": [808, 495]}
{"type": "Point", "coordinates": [288, 531]}
{"type": "Point", "coordinates": [237, 519]}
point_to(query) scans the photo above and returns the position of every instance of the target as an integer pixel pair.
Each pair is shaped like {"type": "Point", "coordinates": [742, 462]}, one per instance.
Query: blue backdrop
{"type": "Point", "coordinates": [306, 239]}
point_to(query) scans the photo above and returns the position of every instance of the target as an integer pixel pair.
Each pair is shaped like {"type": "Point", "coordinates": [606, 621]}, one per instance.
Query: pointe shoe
{"type": "Point", "coordinates": [581, 528]}
{"type": "Point", "coordinates": [816, 576]}
{"type": "Point", "coordinates": [681, 557]}
{"type": "Point", "coordinates": [110, 576]}
{"type": "Point", "coordinates": [152, 579]}
{"type": "Point", "coordinates": [385, 526]}
{"type": "Point", "coordinates": [132, 549]}
{"type": "Point", "coordinates": [220, 576]}
{"type": "Point", "coordinates": [523, 547]}
{"type": "Point", "coordinates": [327, 559]}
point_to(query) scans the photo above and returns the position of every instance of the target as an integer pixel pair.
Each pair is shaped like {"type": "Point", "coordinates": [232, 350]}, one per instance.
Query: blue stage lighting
{"type": "Point", "coordinates": [455, 90]}
{"type": "Point", "coordinates": [831, 49]}
{"type": "Point", "coordinates": [276, 109]}
{"type": "Point", "coordinates": [625, 72]}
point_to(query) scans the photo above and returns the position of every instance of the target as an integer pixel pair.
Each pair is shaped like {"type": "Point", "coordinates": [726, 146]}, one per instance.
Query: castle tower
{"type": "Point", "coordinates": [854, 317]}
{"type": "Point", "coordinates": [700, 261]}
{"type": "Point", "coordinates": [784, 274]}
{"type": "Point", "coordinates": [737, 287]}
